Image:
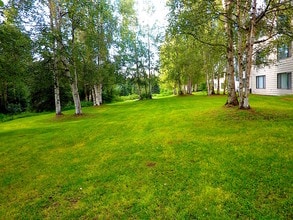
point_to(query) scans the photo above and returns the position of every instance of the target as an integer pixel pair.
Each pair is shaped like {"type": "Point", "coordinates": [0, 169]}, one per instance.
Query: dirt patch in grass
{"type": "Point", "coordinates": [151, 164]}
{"type": "Point", "coordinates": [289, 99]}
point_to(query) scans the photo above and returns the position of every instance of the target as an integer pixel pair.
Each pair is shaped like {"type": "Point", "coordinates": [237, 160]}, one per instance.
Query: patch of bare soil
{"type": "Point", "coordinates": [151, 164]}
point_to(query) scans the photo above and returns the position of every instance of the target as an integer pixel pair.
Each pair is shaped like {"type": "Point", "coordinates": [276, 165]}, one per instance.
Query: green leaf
{"type": "Point", "coordinates": [1, 4]}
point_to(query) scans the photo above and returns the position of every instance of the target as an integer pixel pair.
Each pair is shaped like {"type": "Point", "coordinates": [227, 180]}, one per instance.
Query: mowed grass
{"type": "Point", "coordinates": [172, 158]}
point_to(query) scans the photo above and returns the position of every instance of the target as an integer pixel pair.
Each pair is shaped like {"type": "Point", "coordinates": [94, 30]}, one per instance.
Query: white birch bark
{"type": "Point", "coordinates": [249, 54]}
{"type": "Point", "coordinates": [218, 84]}
{"type": "Point", "coordinates": [54, 29]}
{"type": "Point", "coordinates": [57, 95]}
{"type": "Point", "coordinates": [75, 94]}
{"type": "Point", "coordinates": [96, 97]}
{"type": "Point", "coordinates": [100, 87]}
{"type": "Point", "coordinates": [232, 98]}
{"type": "Point", "coordinates": [240, 51]}
{"type": "Point", "coordinates": [74, 91]}
{"type": "Point", "coordinates": [93, 96]}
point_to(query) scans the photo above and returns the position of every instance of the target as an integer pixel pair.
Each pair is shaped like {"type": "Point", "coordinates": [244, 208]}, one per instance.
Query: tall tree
{"type": "Point", "coordinates": [258, 23]}
{"type": "Point", "coordinates": [182, 63]}
{"type": "Point", "coordinates": [229, 7]}
{"type": "Point", "coordinates": [55, 26]}
{"type": "Point", "coordinates": [13, 65]}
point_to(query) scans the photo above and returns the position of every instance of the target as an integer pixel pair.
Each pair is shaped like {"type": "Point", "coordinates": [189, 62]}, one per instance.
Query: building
{"type": "Point", "coordinates": [275, 78]}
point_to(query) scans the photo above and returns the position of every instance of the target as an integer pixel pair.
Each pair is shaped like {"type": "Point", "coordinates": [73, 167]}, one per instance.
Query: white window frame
{"type": "Point", "coordinates": [261, 82]}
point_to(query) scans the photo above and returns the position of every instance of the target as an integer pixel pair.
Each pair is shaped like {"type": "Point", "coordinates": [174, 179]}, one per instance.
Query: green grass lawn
{"type": "Point", "coordinates": [172, 158]}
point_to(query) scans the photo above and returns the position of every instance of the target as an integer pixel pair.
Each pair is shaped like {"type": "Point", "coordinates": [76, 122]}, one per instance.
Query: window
{"type": "Point", "coordinates": [284, 80]}
{"type": "Point", "coordinates": [261, 82]}
{"type": "Point", "coordinates": [284, 51]}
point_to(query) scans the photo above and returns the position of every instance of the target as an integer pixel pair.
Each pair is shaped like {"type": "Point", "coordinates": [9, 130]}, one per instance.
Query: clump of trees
{"type": "Point", "coordinates": [232, 29]}
{"type": "Point", "coordinates": [56, 53]}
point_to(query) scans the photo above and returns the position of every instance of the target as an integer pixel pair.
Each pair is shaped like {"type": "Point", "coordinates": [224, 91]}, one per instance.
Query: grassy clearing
{"type": "Point", "coordinates": [171, 158]}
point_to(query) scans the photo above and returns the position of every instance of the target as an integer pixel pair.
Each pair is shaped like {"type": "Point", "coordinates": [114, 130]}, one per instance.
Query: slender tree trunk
{"type": "Point", "coordinates": [218, 84]}
{"type": "Point", "coordinates": [74, 91]}
{"type": "Point", "coordinates": [57, 95]}
{"type": "Point", "coordinates": [179, 87]}
{"type": "Point", "coordinates": [232, 98]}
{"type": "Point", "coordinates": [74, 79]}
{"type": "Point", "coordinates": [225, 84]}
{"type": "Point", "coordinates": [54, 29]}
{"type": "Point", "coordinates": [208, 83]}
{"type": "Point", "coordinates": [149, 67]}
{"type": "Point", "coordinates": [86, 93]}
{"type": "Point", "coordinates": [240, 52]}
{"type": "Point", "coordinates": [189, 86]}
{"type": "Point", "coordinates": [249, 54]}
{"type": "Point", "coordinates": [93, 95]}
{"type": "Point", "coordinates": [96, 95]}
{"type": "Point", "coordinates": [100, 93]}
{"type": "Point", "coordinates": [195, 87]}
{"type": "Point", "coordinates": [213, 85]}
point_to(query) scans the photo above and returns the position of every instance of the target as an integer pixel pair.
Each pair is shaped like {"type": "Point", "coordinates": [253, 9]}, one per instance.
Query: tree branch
{"type": "Point", "coordinates": [205, 42]}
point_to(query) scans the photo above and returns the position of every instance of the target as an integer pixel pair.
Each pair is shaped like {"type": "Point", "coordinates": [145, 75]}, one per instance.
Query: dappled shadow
{"type": "Point", "coordinates": [258, 114]}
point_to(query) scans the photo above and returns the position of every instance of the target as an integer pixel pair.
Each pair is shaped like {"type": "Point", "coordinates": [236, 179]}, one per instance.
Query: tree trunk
{"type": "Point", "coordinates": [74, 79]}
{"type": "Point", "coordinates": [96, 95]}
{"type": "Point", "coordinates": [180, 92]}
{"type": "Point", "coordinates": [93, 96]}
{"type": "Point", "coordinates": [240, 52]}
{"type": "Point", "coordinates": [74, 91]}
{"type": "Point", "coordinates": [225, 84]}
{"type": "Point", "coordinates": [86, 93]}
{"type": "Point", "coordinates": [218, 84]}
{"type": "Point", "coordinates": [195, 87]}
{"type": "Point", "coordinates": [54, 28]}
{"type": "Point", "coordinates": [101, 93]}
{"type": "Point", "coordinates": [208, 84]}
{"type": "Point", "coordinates": [189, 86]}
{"type": "Point", "coordinates": [232, 98]}
{"type": "Point", "coordinates": [57, 95]}
{"type": "Point", "coordinates": [213, 85]}
{"type": "Point", "coordinates": [249, 54]}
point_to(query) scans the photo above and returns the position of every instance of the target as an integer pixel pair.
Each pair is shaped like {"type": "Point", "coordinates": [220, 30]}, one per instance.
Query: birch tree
{"type": "Point", "coordinates": [229, 8]}
{"type": "Point", "coordinates": [258, 19]}
{"type": "Point", "coordinates": [55, 21]}
{"type": "Point", "coordinates": [182, 63]}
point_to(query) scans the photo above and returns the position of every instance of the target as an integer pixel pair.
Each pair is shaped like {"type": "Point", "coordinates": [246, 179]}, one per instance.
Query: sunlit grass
{"type": "Point", "coordinates": [169, 158]}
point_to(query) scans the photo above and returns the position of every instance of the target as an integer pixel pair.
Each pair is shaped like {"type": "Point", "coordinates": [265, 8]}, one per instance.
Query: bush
{"type": "Point", "coordinates": [86, 104]}
{"type": "Point", "coordinates": [129, 97]}
{"type": "Point", "coordinates": [2, 117]}
{"type": "Point", "coordinates": [14, 108]}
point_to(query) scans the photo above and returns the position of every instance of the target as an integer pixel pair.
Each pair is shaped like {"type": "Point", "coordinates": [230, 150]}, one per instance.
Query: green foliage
{"type": "Point", "coordinates": [130, 97]}
{"type": "Point", "coordinates": [170, 158]}
{"type": "Point", "coordinates": [15, 58]}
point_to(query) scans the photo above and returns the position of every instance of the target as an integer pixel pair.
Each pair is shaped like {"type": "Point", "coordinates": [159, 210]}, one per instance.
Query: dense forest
{"type": "Point", "coordinates": [58, 54]}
